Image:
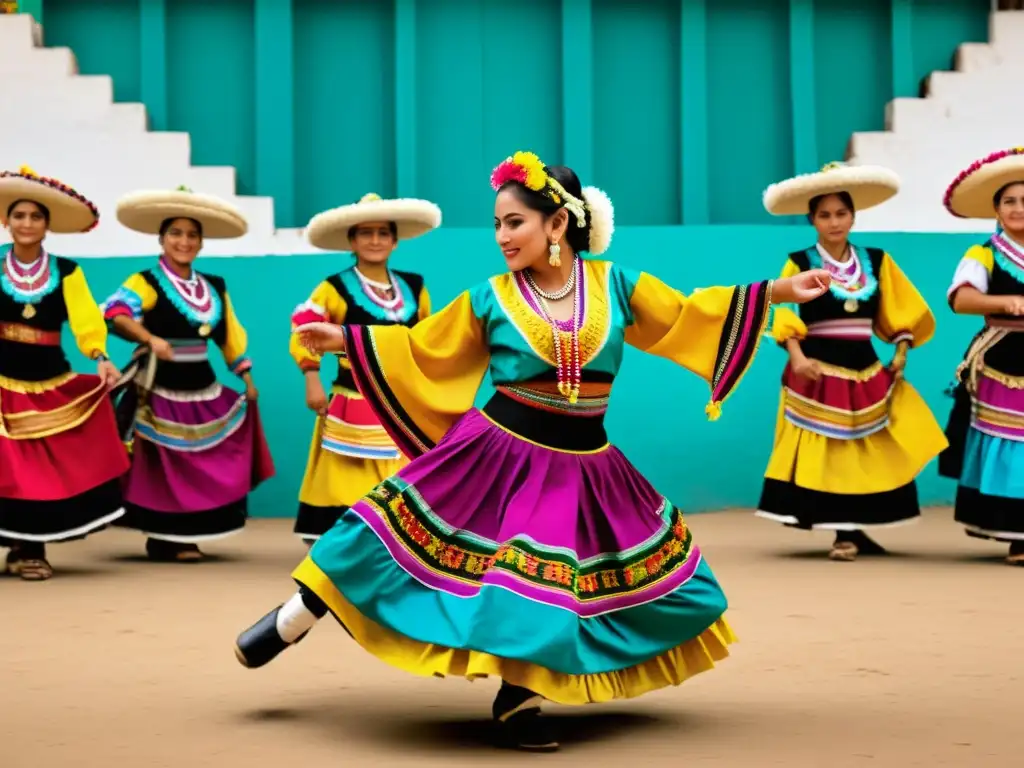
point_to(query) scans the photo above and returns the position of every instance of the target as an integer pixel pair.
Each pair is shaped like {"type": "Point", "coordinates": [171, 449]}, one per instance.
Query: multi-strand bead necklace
{"type": "Point", "coordinates": [567, 361]}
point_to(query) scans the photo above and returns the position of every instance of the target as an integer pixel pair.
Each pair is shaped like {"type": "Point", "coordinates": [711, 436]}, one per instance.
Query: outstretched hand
{"type": "Point", "coordinates": [319, 338]}
{"type": "Point", "coordinates": [801, 288]}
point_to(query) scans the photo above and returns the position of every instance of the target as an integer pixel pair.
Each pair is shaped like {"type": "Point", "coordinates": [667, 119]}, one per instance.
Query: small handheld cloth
{"type": "Point", "coordinates": [412, 218]}
{"type": "Point", "coordinates": [145, 211]}
{"type": "Point", "coordinates": [972, 193]}
{"type": "Point", "coordinates": [527, 169]}
{"type": "Point", "coordinates": [867, 186]}
{"type": "Point", "coordinates": [70, 211]}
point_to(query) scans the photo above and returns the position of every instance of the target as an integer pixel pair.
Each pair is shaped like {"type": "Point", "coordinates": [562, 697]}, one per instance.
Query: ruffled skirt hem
{"type": "Point", "coordinates": [671, 668]}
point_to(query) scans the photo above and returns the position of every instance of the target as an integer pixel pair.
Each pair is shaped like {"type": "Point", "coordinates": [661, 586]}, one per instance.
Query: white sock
{"type": "Point", "coordinates": [294, 618]}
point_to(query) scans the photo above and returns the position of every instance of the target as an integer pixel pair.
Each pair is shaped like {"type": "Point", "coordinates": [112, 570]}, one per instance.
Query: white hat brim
{"type": "Point", "coordinates": [972, 195]}
{"type": "Point", "coordinates": [68, 214]}
{"type": "Point", "coordinates": [867, 186]}
{"type": "Point", "coordinates": [146, 211]}
{"type": "Point", "coordinates": [329, 230]}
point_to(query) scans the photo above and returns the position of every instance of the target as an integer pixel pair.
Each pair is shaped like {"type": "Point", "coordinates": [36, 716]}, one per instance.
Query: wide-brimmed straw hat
{"type": "Point", "coordinates": [867, 186]}
{"type": "Point", "coordinates": [972, 193]}
{"type": "Point", "coordinates": [412, 218]}
{"type": "Point", "coordinates": [70, 211]}
{"type": "Point", "coordinates": [145, 211]}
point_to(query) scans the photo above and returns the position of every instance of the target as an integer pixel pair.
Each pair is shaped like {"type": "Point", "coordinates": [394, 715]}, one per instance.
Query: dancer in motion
{"type": "Point", "coordinates": [198, 448]}
{"type": "Point", "coordinates": [351, 452]}
{"type": "Point", "coordinates": [60, 455]}
{"type": "Point", "coordinates": [986, 426]}
{"type": "Point", "coordinates": [518, 543]}
{"type": "Point", "coordinates": [852, 434]}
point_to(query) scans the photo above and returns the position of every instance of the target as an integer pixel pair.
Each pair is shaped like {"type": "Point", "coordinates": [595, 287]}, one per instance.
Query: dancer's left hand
{"type": "Point", "coordinates": [898, 364]}
{"type": "Point", "coordinates": [251, 393]}
{"type": "Point", "coordinates": [801, 288]}
{"type": "Point", "coordinates": [107, 371]}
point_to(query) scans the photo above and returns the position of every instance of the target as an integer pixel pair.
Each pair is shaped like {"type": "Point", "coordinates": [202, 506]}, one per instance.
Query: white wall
{"type": "Point", "coordinates": [67, 126]}
{"type": "Point", "coordinates": [968, 113]}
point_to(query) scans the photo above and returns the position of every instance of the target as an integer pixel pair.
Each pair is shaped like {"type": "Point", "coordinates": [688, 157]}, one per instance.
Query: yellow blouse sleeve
{"type": "Point", "coordinates": [84, 315]}
{"type": "Point", "coordinates": [133, 300]}
{"type": "Point", "coordinates": [423, 308]}
{"type": "Point", "coordinates": [420, 380]}
{"type": "Point", "coordinates": [236, 341]}
{"type": "Point", "coordinates": [714, 332]}
{"type": "Point", "coordinates": [903, 314]}
{"type": "Point", "coordinates": [324, 305]}
{"type": "Point", "coordinates": [786, 323]}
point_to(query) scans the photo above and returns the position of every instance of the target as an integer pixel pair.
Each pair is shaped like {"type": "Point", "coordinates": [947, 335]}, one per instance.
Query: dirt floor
{"type": "Point", "coordinates": [909, 660]}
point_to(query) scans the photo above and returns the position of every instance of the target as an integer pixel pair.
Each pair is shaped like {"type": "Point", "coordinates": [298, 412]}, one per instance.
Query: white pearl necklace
{"type": "Point", "coordinates": [561, 293]}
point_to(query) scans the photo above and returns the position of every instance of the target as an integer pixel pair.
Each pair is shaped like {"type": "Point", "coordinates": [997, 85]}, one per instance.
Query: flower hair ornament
{"type": "Point", "coordinates": [527, 169]}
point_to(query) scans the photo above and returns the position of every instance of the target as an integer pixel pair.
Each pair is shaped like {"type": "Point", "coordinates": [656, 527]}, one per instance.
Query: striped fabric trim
{"type": "Point", "coordinates": [844, 328]}
{"type": "Point", "coordinates": [747, 319]}
{"type": "Point", "coordinates": [836, 423]}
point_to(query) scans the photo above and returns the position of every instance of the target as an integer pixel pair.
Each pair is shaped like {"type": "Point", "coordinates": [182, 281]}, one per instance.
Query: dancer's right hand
{"type": "Point", "coordinates": [806, 367]}
{"type": "Point", "coordinates": [321, 337]}
{"type": "Point", "coordinates": [316, 398]}
{"type": "Point", "coordinates": [161, 348]}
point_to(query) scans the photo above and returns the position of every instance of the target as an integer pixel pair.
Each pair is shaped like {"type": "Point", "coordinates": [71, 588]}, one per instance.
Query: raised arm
{"type": "Point", "coordinates": [420, 380]}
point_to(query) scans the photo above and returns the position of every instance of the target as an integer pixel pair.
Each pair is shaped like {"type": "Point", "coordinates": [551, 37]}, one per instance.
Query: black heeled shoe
{"type": "Point", "coordinates": [520, 723]}
{"type": "Point", "coordinates": [260, 644]}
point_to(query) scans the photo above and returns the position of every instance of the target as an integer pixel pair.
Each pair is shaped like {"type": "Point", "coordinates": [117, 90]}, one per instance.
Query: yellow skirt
{"type": "Point", "coordinates": [884, 461]}
{"type": "Point", "coordinates": [670, 668]}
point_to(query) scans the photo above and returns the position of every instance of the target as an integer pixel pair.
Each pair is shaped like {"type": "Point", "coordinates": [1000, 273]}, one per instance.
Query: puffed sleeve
{"type": "Point", "coordinates": [236, 341]}
{"type": "Point", "coordinates": [974, 269]}
{"type": "Point", "coordinates": [786, 323]}
{"type": "Point", "coordinates": [324, 305]}
{"type": "Point", "coordinates": [132, 299]}
{"type": "Point", "coordinates": [903, 314]}
{"type": "Point", "coordinates": [423, 307]}
{"type": "Point", "coordinates": [85, 317]}
{"type": "Point", "coordinates": [420, 380]}
{"type": "Point", "coordinates": [713, 332]}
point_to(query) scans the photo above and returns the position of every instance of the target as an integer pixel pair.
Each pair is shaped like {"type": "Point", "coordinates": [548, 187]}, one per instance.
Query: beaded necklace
{"type": "Point", "coordinates": [192, 296]}
{"type": "Point", "coordinates": [853, 280]}
{"type": "Point", "coordinates": [567, 361]}
{"type": "Point", "coordinates": [28, 284]}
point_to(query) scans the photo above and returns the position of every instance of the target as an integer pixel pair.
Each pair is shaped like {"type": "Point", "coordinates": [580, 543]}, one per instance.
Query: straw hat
{"type": "Point", "coordinates": [145, 211]}
{"type": "Point", "coordinates": [69, 211]}
{"type": "Point", "coordinates": [412, 218]}
{"type": "Point", "coordinates": [971, 194]}
{"type": "Point", "coordinates": [867, 185]}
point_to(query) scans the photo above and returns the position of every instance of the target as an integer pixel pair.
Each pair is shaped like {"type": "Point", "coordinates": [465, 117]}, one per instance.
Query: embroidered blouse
{"type": "Point", "coordinates": [30, 347]}
{"type": "Point", "coordinates": [421, 380]}
{"type": "Point", "coordinates": [149, 298]}
{"type": "Point", "coordinates": [342, 298]}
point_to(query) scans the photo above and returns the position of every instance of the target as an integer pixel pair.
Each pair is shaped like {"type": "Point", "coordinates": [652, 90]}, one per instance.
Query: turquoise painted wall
{"type": "Point", "coordinates": [683, 110]}
{"type": "Point", "coordinates": [657, 410]}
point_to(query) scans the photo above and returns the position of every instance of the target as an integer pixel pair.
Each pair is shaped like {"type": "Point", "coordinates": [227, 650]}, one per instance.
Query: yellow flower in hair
{"type": "Point", "coordinates": [536, 176]}
{"type": "Point", "coordinates": [26, 171]}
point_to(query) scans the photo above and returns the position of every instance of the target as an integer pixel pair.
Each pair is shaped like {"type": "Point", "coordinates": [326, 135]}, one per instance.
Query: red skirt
{"type": "Point", "coordinates": [60, 458]}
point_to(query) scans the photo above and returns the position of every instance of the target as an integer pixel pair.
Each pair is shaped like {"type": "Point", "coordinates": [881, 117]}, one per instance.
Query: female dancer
{"type": "Point", "coordinates": [518, 542]}
{"type": "Point", "coordinates": [60, 455]}
{"type": "Point", "coordinates": [198, 447]}
{"type": "Point", "coordinates": [351, 452]}
{"type": "Point", "coordinates": [986, 426]}
{"type": "Point", "coordinates": [852, 435]}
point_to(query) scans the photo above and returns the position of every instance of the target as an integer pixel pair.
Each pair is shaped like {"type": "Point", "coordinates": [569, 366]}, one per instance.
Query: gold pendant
{"type": "Point", "coordinates": [28, 312]}
{"type": "Point", "coordinates": [204, 330]}
{"type": "Point", "coordinates": [851, 305]}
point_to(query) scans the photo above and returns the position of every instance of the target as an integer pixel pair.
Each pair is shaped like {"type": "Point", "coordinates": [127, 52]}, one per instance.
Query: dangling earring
{"type": "Point", "coordinates": [555, 255]}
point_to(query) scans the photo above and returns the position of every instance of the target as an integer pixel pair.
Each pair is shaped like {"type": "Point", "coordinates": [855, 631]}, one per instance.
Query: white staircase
{"type": "Point", "coordinates": [66, 125]}
{"type": "Point", "coordinates": [967, 114]}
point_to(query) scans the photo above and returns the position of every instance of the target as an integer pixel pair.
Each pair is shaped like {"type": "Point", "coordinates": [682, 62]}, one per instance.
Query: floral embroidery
{"type": "Point", "coordinates": [467, 557]}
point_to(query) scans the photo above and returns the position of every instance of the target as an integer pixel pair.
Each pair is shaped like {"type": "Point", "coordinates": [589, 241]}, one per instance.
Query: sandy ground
{"type": "Point", "coordinates": [910, 660]}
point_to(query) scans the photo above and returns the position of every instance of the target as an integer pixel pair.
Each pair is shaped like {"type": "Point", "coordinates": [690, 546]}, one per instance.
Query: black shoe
{"type": "Point", "coordinates": [260, 644]}
{"type": "Point", "coordinates": [521, 726]}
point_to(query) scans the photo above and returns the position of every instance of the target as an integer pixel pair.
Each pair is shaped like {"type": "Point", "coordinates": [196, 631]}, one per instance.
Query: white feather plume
{"type": "Point", "coordinates": [602, 220]}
